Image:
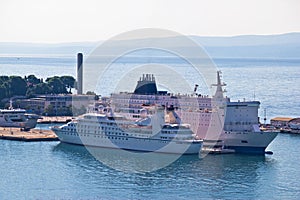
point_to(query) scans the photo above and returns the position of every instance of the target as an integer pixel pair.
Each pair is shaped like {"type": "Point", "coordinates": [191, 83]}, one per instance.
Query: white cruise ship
{"type": "Point", "coordinates": [17, 118]}
{"type": "Point", "coordinates": [150, 133]}
{"type": "Point", "coordinates": [222, 124]}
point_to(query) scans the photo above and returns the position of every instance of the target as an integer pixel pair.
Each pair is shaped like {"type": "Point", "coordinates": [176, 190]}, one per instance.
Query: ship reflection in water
{"type": "Point", "coordinates": [208, 176]}
{"type": "Point", "coordinates": [124, 160]}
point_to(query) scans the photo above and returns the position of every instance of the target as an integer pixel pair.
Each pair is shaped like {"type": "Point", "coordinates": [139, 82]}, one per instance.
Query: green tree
{"type": "Point", "coordinates": [42, 88]}
{"type": "Point", "coordinates": [31, 79]}
{"type": "Point", "coordinates": [3, 92]}
{"type": "Point", "coordinates": [56, 85]}
{"type": "Point", "coordinates": [68, 81]}
{"type": "Point", "coordinates": [4, 79]}
{"type": "Point", "coordinates": [4, 87]}
{"type": "Point", "coordinates": [31, 85]}
{"type": "Point", "coordinates": [17, 86]}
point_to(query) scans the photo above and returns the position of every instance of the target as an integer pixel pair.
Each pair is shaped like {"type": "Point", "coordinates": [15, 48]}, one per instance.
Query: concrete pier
{"type": "Point", "coordinates": [58, 119]}
{"type": "Point", "coordinates": [34, 135]}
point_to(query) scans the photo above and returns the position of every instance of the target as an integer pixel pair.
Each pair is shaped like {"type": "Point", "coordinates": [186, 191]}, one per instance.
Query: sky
{"type": "Point", "coordinates": [56, 21]}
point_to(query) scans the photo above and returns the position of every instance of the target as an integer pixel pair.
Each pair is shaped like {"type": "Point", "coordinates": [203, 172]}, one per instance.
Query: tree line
{"type": "Point", "coordinates": [30, 86]}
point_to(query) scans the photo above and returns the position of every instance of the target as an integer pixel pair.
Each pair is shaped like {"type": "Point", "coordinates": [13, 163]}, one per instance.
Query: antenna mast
{"type": "Point", "coordinates": [265, 116]}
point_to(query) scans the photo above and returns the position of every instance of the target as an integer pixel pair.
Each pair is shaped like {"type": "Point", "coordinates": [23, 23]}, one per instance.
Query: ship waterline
{"type": "Point", "coordinates": [133, 144]}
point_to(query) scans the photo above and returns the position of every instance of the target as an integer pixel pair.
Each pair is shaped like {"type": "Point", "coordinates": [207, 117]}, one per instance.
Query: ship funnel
{"type": "Point", "coordinates": [146, 85]}
{"type": "Point", "coordinates": [79, 73]}
{"type": "Point", "coordinates": [196, 87]}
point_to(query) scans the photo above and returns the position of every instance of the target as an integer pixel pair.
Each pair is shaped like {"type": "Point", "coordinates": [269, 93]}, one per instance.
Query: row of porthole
{"type": "Point", "coordinates": [114, 134]}
{"type": "Point", "coordinates": [68, 133]}
{"type": "Point", "coordinates": [120, 138]}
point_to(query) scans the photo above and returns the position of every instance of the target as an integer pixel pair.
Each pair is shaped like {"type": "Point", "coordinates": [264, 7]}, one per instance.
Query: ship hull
{"type": "Point", "coordinates": [130, 143]}
{"type": "Point", "coordinates": [28, 124]}
{"type": "Point", "coordinates": [244, 142]}
{"type": "Point", "coordinates": [247, 150]}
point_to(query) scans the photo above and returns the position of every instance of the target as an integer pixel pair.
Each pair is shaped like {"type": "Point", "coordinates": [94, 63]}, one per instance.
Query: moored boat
{"type": "Point", "coordinates": [149, 134]}
{"type": "Point", "coordinates": [17, 118]}
{"type": "Point", "coordinates": [221, 123]}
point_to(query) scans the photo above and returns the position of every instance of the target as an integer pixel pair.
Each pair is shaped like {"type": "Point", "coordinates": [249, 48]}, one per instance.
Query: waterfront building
{"type": "Point", "coordinates": [279, 122]}
{"type": "Point", "coordinates": [55, 105]}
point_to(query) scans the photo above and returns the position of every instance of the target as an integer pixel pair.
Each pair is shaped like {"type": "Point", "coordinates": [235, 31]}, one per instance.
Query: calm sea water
{"type": "Point", "coordinates": [50, 170]}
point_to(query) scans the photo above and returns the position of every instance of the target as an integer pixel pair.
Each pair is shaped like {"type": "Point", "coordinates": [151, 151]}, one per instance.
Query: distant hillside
{"type": "Point", "coordinates": [52, 49]}
{"type": "Point", "coordinates": [249, 40]}
{"type": "Point", "coordinates": [245, 46]}
{"type": "Point", "coordinates": [249, 46]}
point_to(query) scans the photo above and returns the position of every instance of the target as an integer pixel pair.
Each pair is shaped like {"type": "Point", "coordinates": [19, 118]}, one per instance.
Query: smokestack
{"type": "Point", "coordinates": [79, 72]}
{"type": "Point", "coordinates": [196, 87]}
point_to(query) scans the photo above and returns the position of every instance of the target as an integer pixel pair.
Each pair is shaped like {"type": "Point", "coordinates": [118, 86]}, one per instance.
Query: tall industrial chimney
{"type": "Point", "coordinates": [79, 72]}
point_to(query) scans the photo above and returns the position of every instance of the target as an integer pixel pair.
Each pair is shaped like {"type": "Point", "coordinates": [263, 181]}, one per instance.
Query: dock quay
{"type": "Point", "coordinates": [291, 131]}
{"type": "Point", "coordinates": [34, 135]}
{"type": "Point", "coordinates": [55, 119]}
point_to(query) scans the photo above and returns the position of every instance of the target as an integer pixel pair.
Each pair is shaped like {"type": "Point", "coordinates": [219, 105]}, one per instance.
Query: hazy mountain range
{"type": "Point", "coordinates": [244, 46]}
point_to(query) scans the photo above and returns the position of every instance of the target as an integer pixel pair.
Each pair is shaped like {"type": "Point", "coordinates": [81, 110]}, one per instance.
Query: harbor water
{"type": "Point", "coordinates": [51, 170]}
